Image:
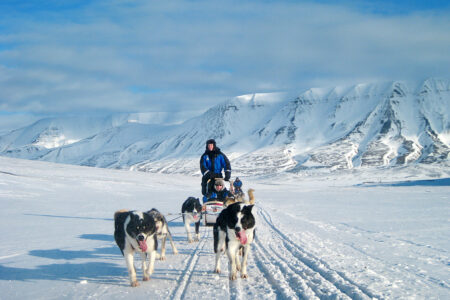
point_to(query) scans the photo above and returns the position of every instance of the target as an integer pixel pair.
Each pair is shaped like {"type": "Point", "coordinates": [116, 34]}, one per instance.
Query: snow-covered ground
{"type": "Point", "coordinates": [355, 234]}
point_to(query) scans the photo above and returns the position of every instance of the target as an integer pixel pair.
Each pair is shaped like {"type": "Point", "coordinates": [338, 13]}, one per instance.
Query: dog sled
{"type": "Point", "coordinates": [211, 211]}
{"type": "Point", "coordinates": [213, 207]}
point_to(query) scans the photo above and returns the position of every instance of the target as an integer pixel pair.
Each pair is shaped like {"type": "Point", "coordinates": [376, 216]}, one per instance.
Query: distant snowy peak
{"type": "Point", "coordinates": [400, 127]}
{"type": "Point", "coordinates": [434, 86]}
{"type": "Point", "coordinates": [364, 125]}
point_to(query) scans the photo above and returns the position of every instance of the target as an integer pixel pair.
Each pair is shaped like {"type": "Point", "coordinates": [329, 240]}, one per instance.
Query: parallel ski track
{"type": "Point", "coordinates": [279, 283]}
{"type": "Point", "coordinates": [304, 275]}
{"type": "Point", "coordinates": [183, 281]}
{"type": "Point", "coordinates": [237, 289]}
{"type": "Point", "coordinates": [291, 272]}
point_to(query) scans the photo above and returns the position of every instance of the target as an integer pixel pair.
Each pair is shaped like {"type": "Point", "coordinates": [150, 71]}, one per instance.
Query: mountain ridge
{"type": "Point", "coordinates": [364, 125]}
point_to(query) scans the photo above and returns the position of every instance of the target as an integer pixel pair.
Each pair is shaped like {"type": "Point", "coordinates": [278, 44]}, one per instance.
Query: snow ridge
{"type": "Point", "coordinates": [365, 125]}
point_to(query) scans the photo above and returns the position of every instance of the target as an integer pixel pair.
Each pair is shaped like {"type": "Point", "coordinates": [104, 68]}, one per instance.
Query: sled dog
{"type": "Point", "coordinates": [234, 230]}
{"type": "Point", "coordinates": [135, 231]}
{"type": "Point", "coordinates": [241, 198]}
{"type": "Point", "coordinates": [191, 211]}
{"type": "Point", "coordinates": [230, 200]}
{"type": "Point", "coordinates": [162, 232]}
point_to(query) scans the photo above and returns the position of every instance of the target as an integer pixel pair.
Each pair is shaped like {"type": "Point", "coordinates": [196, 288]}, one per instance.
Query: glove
{"type": "Point", "coordinates": [207, 175]}
{"type": "Point", "coordinates": [227, 176]}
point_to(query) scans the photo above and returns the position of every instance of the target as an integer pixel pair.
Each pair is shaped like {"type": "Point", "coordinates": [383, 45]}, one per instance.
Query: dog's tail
{"type": "Point", "coordinates": [119, 212]}
{"type": "Point", "coordinates": [119, 230]}
{"type": "Point", "coordinates": [251, 197]}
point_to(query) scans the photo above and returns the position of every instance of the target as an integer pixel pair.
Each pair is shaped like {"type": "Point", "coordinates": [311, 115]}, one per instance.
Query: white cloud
{"type": "Point", "coordinates": [191, 54]}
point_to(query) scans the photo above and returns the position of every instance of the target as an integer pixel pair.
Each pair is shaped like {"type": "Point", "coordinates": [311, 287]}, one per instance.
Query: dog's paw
{"type": "Point", "coordinates": [175, 252]}
{"type": "Point", "coordinates": [238, 267]}
{"type": "Point", "coordinates": [190, 240]}
{"type": "Point", "coordinates": [233, 276]}
{"type": "Point", "coordinates": [244, 276]}
{"type": "Point", "coordinates": [217, 270]}
{"type": "Point", "coordinates": [134, 284]}
{"type": "Point", "coordinates": [146, 278]}
{"type": "Point", "coordinates": [162, 257]}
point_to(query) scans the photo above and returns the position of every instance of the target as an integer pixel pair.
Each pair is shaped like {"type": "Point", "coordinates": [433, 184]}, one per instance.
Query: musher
{"type": "Point", "coordinates": [212, 163]}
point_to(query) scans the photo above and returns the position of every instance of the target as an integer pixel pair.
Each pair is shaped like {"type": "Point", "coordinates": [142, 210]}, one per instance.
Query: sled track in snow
{"type": "Point", "coordinates": [194, 262]}
{"type": "Point", "coordinates": [295, 273]}
{"type": "Point", "coordinates": [235, 290]}
{"type": "Point", "coordinates": [185, 278]}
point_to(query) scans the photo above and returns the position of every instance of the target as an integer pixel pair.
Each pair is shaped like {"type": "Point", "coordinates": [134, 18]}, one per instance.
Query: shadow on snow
{"type": "Point", "coordinates": [112, 273]}
{"type": "Point", "coordinates": [98, 272]}
{"type": "Point", "coordinates": [430, 182]}
{"type": "Point", "coordinates": [69, 217]}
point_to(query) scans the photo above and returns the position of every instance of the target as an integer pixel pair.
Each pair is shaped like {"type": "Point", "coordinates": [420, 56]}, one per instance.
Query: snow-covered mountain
{"type": "Point", "coordinates": [383, 124]}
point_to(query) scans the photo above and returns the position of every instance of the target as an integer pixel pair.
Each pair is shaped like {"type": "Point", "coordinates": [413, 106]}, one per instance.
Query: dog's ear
{"type": "Point", "coordinates": [134, 218]}
{"type": "Point", "coordinates": [248, 208]}
{"type": "Point", "coordinates": [197, 204]}
{"type": "Point", "coordinates": [150, 221]}
{"type": "Point", "coordinates": [132, 224]}
{"type": "Point", "coordinates": [235, 207]}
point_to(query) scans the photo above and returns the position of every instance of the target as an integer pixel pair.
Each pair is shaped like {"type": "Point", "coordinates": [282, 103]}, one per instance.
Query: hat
{"type": "Point", "coordinates": [219, 181]}
{"type": "Point", "coordinates": [211, 141]}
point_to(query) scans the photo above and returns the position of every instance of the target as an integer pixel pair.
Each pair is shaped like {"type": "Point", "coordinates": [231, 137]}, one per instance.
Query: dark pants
{"type": "Point", "coordinates": [208, 182]}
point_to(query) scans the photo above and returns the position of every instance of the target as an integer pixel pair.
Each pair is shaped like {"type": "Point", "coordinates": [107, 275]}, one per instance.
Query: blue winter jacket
{"type": "Point", "coordinates": [221, 196]}
{"type": "Point", "coordinates": [215, 162]}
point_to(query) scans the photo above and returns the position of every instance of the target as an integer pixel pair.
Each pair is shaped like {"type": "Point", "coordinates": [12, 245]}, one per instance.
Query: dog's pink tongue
{"type": "Point", "coordinates": [143, 246]}
{"type": "Point", "coordinates": [242, 237]}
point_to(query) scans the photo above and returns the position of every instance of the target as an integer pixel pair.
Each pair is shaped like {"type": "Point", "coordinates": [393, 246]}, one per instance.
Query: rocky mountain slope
{"type": "Point", "coordinates": [365, 125]}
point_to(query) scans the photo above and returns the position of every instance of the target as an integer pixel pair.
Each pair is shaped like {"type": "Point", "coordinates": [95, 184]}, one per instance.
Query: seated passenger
{"type": "Point", "coordinates": [218, 191]}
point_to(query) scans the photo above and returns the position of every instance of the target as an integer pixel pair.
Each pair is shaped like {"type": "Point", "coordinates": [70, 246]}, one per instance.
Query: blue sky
{"type": "Point", "coordinates": [135, 56]}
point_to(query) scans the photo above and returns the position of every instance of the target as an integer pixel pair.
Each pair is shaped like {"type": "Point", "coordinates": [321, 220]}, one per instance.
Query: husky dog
{"type": "Point", "coordinates": [192, 211]}
{"type": "Point", "coordinates": [135, 231]}
{"type": "Point", "coordinates": [234, 230]}
{"type": "Point", "coordinates": [162, 232]}
{"type": "Point", "coordinates": [241, 198]}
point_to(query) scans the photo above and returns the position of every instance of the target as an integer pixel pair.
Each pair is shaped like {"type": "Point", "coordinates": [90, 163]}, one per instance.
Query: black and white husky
{"type": "Point", "coordinates": [234, 230]}
{"type": "Point", "coordinates": [135, 231]}
{"type": "Point", "coordinates": [162, 232]}
{"type": "Point", "coordinates": [192, 212]}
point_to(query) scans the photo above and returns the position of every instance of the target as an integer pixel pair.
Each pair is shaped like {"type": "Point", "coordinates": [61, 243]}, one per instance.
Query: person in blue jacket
{"type": "Point", "coordinates": [237, 185]}
{"type": "Point", "coordinates": [219, 191]}
{"type": "Point", "coordinates": [212, 163]}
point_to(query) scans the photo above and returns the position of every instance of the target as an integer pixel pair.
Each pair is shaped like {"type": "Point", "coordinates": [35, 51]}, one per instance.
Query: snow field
{"type": "Point", "coordinates": [317, 237]}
